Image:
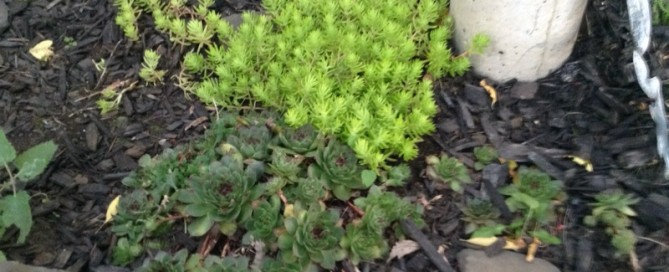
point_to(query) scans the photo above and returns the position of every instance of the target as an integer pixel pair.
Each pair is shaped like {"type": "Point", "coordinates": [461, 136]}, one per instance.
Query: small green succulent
{"type": "Point", "coordinates": [363, 244]}
{"type": "Point", "coordinates": [382, 208]}
{"type": "Point", "coordinates": [534, 195]}
{"type": "Point", "coordinates": [252, 141]}
{"type": "Point", "coordinates": [337, 164]}
{"type": "Point", "coordinates": [447, 170]}
{"type": "Point", "coordinates": [307, 190]}
{"type": "Point", "coordinates": [284, 165]}
{"type": "Point", "coordinates": [221, 194]}
{"type": "Point", "coordinates": [479, 213]}
{"type": "Point", "coordinates": [273, 265]}
{"type": "Point", "coordinates": [612, 209]}
{"type": "Point", "coordinates": [181, 261]}
{"type": "Point", "coordinates": [398, 175]}
{"type": "Point", "coordinates": [301, 140]}
{"type": "Point", "coordinates": [265, 219]}
{"type": "Point", "coordinates": [484, 156]}
{"type": "Point", "coordinates": [125, 252]}
{"type": "Point", "coordinates": [311, 237]}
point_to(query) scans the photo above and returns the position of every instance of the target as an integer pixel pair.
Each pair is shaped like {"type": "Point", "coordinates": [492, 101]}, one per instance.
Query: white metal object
{"type": "Point", "coordinates": [640, 24]}
{"type": "Point", "coordinates": [528, 38]}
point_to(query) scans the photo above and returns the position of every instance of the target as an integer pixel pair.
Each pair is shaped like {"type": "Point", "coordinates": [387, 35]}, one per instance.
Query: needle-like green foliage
{"type": "Point", "coordinates": [355, 69]}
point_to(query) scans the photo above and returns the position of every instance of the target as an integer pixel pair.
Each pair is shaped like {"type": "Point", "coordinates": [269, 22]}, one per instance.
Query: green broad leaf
{"type": "Point", "coordinates": [368, 178]}
{"type": "Point", "coordinates": [290, 224]}
{"type": "Point", "coordinates": [16, 211]}
{"type": "Point", "coordinates": [7, 151]}
{"type": "Point", "coordinates": [33, 161]}
{"type": "Point", "coordinates": [196, 210]}
{"type": "Point", "coordinates": [285, 242]}
{"type": "Point", "coordinates": [228, 228]}
{"type": "Point", "coordinates": [341, 192]}
{"type": "Point", "coordinates": [145, 161]}
{"type": "Point", "coordinates": [328, 261]}
{"type": "Point", "coordinates": [526, 199]}
{"type": "Point", "coordinates": [3, 258]}
{"type": "Point", "coordinates": [627, 211]}
{"type": "Point", "coordinates": [546, 237]}
{"type": "Point", "coordinates": [201, 225]}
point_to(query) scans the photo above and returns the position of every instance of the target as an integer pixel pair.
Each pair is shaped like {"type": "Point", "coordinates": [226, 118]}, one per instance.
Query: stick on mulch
{"type": "Point", "coordinates": [428, 248]}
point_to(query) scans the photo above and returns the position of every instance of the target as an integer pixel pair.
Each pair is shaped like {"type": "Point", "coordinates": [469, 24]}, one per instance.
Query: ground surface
{"type": "Point", "coordinates": [591, 108]}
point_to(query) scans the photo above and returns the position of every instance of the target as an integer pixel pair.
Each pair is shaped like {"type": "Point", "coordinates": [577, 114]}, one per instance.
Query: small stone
{"type": "Point", "coordinates": [92, 136]}
{"type": "Point", "coordinates": [470, 260]}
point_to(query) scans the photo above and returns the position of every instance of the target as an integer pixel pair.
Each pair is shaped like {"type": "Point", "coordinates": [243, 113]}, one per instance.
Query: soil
{"type": "Point", "coordinates": [591, 108]}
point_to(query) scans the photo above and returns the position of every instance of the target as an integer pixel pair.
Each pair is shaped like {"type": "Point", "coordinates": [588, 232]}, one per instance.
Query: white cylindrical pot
{"type": "Point", "coordinates": [528, 38]}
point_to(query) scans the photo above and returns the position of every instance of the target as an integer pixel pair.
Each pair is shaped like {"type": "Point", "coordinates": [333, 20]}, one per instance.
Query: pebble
{"type": "Point", "coordinates": [470, 260]}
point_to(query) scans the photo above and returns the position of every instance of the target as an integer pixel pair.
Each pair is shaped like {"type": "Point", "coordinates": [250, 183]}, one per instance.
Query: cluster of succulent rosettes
{"type": "Point", "coordinates": [274, 185]}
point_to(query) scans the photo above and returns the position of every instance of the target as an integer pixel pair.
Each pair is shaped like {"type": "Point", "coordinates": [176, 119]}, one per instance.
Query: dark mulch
{"type": "Point", "coordinates": [591, 108]}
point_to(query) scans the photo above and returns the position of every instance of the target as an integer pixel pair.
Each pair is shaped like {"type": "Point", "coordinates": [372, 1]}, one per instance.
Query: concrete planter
{"type": "Point", "coordinates": [528, 38]}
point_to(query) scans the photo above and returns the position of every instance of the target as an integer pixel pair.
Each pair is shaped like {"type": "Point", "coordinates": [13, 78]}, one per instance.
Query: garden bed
{"type": "Point", "coordinates": [591, 108]}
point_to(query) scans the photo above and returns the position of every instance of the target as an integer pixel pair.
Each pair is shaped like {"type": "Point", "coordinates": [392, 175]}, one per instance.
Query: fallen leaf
{"type": "Point", "coordinates": [488, 241]}
{"type": "Point", "coordinates": [491, 91]}
{"type": "Point", "coordinates": [582, 162]}
{"type": "Point", "coordinates": [42, 50]}
{"type": "Point", "coordinates": [402, 248]}
{"type": "Point", "coordinates": [112, 209]}
{"type": "Point", "coordinates": [532, 250]}
{"type": "Point", "coordinates": [482, 241]}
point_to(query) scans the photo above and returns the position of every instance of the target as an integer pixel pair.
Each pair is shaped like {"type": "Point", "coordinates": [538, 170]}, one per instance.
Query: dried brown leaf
{"type": "Point", "coordinates": [402, 248]}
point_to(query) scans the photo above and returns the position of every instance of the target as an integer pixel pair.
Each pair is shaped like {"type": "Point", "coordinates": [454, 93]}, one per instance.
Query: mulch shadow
{"type": "Point", "coordinates": [591, 108]}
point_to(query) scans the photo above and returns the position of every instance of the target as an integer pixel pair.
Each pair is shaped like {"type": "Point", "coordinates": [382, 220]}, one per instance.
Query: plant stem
{"type": "Point", "coordinates": [11, 178]}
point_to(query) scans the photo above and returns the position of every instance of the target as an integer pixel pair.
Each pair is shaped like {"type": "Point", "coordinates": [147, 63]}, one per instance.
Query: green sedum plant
{"type": "Point", "coordinates": [612, 210]}
{"type": "Point", "coordinates": [447, 170]}
{"type": "Point", "coordinates": [660, 12]}
{"type": "Point", "coordinates": [149, 71]}
{"type": "Point", "coordinates": [355, 69]}
{"type": "Point", "coordinates": [22, 168]}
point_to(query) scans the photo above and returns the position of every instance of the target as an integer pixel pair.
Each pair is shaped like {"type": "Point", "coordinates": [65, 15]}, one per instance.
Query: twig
{"type": "Point", "coordinates": [428, 248]}
{"type": "Point", "coordinates": [355, 209]}
{"type": "Point", "coordinates": [665, 246]}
